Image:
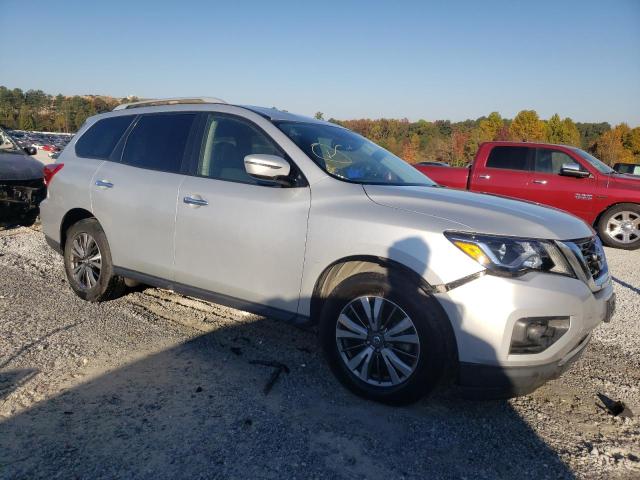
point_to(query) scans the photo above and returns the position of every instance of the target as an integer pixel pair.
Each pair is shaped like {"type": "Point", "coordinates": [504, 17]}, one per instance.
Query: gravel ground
{"type": "Point", "coordinates": [158, 385]}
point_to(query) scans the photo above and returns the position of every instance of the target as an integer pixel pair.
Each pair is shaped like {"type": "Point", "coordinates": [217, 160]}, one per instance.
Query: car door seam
{"type": "Point", "coordinates": [91, 185]}
{"type": "Point", "coordinates": [175, 228]}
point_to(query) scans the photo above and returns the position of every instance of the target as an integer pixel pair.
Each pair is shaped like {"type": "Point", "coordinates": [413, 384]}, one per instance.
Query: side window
{"type": "Point", "coordinates": [509, 158]}
{"type": "Point", "coordinates": [101, 138]}
{"type": "Point", "coordinates": [158, 141]}
{"type": "Point", "coordinates": [225, 143]}
{"type": "Point", "coordinates": [551, 161]}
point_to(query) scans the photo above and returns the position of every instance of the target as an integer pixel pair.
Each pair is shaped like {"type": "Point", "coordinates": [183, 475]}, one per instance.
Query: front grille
{"type": "Point", "coordinates": [592, 255]}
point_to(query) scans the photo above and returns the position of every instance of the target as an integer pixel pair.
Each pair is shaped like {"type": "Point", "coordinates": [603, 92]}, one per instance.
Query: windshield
{"type": "Point", "coordinates": [6, 143]}
{"type": "Point", "coordinates": [348, 156]}
{"type": "Point", "coordinates": [594, 162]}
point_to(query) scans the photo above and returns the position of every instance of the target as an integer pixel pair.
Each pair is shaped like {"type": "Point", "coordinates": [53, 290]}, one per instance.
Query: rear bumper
{"type": "Point", "coordinates": [490, 382]}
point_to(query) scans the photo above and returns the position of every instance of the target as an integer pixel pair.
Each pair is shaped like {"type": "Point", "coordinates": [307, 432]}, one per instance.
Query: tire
{"type": "Point", "coordinates": [100, 285]}
{"type": "Point", "coordinates": [619, 226]}
{"type": "Point", "coordinates": [429, 360]}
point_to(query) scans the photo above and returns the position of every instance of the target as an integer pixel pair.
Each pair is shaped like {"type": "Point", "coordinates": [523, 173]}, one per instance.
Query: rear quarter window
{"type": "Point", "coordinates": [509, 158]}
{"type": "Point", "coordinates": [102, 137]}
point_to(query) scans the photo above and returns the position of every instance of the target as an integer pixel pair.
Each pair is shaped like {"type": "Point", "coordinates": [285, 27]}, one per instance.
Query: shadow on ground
{"type": "Point", "coordinates": [198, 410]}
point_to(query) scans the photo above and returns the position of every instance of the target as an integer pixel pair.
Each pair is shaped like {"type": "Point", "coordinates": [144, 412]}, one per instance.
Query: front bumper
{"type": "Point", "coordinates": [491, 382]}
{"type": "Point", "coordinates": [483, 313]}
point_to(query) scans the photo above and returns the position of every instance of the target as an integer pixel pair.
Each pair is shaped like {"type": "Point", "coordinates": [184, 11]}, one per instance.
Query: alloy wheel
{"type": "Point", "coordinates": [377, 341]}
{"type": "Point", "coordinates": [86, 261]}
{"type": "Point", "coordinates": [624, 227]}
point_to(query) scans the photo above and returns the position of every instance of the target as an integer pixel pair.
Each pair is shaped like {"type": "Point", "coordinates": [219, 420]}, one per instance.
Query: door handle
{"type": "Point", "coordinates": [199, 202]}
{"type": "Point", "coordinates": [485, 177]}
{"type": "Point", "coordinates": [540, 182]}
{"type": "Point", "coordinates": [104, 184]}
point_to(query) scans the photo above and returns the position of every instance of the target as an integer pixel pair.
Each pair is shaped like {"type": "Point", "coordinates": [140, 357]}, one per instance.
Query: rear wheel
{"type": "Point", "coordinates": [384, 341]}
{"type": "Point", "coordinates": [619, 226]}
{"type": "Point", "coordinates": [87, 263]}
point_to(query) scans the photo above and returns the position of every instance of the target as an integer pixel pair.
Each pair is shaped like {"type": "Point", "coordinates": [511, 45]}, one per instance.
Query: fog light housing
{"type": "Point", "coordinates": [536, 334]}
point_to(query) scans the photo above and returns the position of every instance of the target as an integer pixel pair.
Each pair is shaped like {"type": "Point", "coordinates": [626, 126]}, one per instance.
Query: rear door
{"type": "Point", "coordinates": [574, 195]}
{"type": "Point", "coordinates": [135, 199]}
{"type": "Point", "coordinates": [239, 237]}
{"type": "Point", "coordinates": [506, 171]}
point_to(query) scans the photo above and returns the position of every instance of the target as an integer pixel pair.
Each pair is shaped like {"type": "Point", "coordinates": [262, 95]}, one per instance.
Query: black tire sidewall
{"type": "Point", "coordinates": [427, 316]}
{"type": "Point", "coordinates": [102, 287]}
{"type": "Point", "coordinates": [604, 220]}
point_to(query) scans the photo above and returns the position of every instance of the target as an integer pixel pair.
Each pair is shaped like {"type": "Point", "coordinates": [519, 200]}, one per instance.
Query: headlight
{"type": "Point", "coordinates": [508, 256]}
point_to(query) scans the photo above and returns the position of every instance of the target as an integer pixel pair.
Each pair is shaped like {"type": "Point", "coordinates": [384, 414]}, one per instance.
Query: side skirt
{"type": "Point", "coordinates": [219, 298]}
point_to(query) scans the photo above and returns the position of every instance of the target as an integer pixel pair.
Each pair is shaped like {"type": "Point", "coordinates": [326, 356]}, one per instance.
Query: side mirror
{"type": "Point", "coordinates": [266, 167]}
{"type": "Point", "coordinates": [30, 150]}
{"type": "Point", "coordinates": [573, 170]}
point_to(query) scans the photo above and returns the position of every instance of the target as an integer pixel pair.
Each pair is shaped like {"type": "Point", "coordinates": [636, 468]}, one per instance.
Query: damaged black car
{"type": "Point", "coordinates": [21, 183]}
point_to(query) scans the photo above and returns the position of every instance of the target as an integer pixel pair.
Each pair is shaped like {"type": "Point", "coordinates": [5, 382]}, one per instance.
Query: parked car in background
{"type": "Point", "coordinates": [303, 220]}
{"type": "Point", "coordinates": [628, 168]}
{"type": "Point", "coordinates": [560, 176]}
{"type": "Point", "coordinates": [21, 183]}
{"type": "Point", "coordinates": [432, 164]}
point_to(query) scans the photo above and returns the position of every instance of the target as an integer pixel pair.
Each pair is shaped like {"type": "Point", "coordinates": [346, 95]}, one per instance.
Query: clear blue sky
{"type": "Point", "coordinates": [348, 59]}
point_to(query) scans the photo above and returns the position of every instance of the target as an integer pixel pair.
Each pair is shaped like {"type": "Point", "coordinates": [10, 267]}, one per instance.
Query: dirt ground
{"type": "Point", "coordinates": [158, 385]}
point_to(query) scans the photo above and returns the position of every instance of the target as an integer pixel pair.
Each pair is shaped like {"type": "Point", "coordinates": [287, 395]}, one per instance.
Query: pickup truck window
{"type": "Point", "coordinates": [550, 161]}
{"type": "Point", "coordinates": [509, 158]}
{"type": "Point", "coordinates": [594, 162]}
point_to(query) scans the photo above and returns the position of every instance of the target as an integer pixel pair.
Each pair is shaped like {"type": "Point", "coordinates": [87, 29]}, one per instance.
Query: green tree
{"type": "Point", "coordinates": [319, 116]}
{"type": "Point", "coordinates": [527, 126]}
{"type": "Point", "coordinates": [562, 131]}
{"type": "Point", "coordinates": [25, 119]}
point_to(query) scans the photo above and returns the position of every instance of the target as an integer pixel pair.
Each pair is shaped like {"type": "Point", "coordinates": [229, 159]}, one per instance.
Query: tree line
{"type": "Point", "coordinates": [456, 143]}
{"type": "Point", "coordinates": [36, 110]}
{"type": "Point", "coordinates": [442, 140]}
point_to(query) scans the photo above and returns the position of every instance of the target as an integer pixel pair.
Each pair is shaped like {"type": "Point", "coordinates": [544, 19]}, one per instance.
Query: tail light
{"type": "Point", "coordinates": [50, 170]}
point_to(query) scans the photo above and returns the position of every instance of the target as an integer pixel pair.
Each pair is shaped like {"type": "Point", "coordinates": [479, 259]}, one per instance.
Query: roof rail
{"type": "Point", "coordinates": [168, 101]}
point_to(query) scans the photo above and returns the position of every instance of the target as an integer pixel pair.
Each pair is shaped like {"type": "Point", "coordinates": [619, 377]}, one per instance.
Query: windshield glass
{"type": "Point", "coordinates": [594, 162]}
{"type": "Point", "coordinates": [351, 157]}
{"type": "Point", "coordinates": [6, 143]}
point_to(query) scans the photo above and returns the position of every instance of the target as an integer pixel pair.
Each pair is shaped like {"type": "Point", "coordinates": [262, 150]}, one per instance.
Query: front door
{"type": "Point", "coordinates": [548, 187]}
{"type": "Point", "coordinates": [236, 236]}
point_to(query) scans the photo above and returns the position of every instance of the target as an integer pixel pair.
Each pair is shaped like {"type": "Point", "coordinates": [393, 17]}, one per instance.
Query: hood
{"type": "Point", "coordinates": [627, 182]}
{"type": "Point", "coordinates": [17, 166]}
{"type": "Point", "coordinates": [482, 213]}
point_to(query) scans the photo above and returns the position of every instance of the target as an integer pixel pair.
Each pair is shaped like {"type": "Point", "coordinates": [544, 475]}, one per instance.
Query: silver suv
{"type": "Point", "coordinates": [299, 219]}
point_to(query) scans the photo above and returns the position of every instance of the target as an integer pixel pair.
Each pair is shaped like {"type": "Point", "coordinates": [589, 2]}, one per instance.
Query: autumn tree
{"type": "Point", "coordinates": [527, 126]}
{"type": "Point", "coordinates": [411, 149]}
{"type": "Point", "coordinates": [490, 127]}
{"type": "Point", "coordinates": [610, 146]}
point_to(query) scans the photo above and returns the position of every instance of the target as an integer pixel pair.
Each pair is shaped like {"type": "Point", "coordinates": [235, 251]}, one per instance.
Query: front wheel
{"type": "Point", "coordinates": [385, 340]}
{"type": "Point", "coordinates": [87, 263]}
{"type": "Point", "coordinates": [619, 227]}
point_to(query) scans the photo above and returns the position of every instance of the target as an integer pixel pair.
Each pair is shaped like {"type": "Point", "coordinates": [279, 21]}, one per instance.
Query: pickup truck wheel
{"type": "Point", "coordinates": [619, 226]}
{"type": "Point", "coordinates": [87, 263]}
{"type": "Point", "coordinates": [384, 340]}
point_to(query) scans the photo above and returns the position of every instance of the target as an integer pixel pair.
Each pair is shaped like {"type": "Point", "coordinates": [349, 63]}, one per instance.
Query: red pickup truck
{"type": "Point", "coordinates": [556, 175]}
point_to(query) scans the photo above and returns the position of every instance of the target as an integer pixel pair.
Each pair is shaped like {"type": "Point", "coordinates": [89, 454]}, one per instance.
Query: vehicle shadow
{"type": "Point", "coordinates": [198, 410]}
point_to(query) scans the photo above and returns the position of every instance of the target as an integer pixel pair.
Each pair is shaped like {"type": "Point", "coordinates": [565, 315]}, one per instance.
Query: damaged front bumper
{"type": "Point", "coordinates": [20, 200]}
